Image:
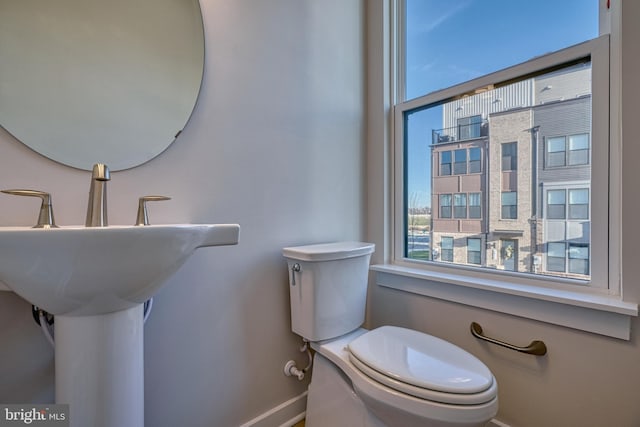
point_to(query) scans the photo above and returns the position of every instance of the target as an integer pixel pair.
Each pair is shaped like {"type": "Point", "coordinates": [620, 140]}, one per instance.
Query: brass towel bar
{"type": "Point", "coordinates": [536, 347]}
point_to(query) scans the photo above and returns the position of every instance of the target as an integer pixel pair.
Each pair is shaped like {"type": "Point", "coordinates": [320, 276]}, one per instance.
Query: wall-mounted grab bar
{"type": "Point", "coordinates": [536, 347]}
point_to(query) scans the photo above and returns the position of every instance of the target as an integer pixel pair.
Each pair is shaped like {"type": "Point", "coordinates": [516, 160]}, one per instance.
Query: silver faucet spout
{"type": "Point", "coordinates": [97, 207]}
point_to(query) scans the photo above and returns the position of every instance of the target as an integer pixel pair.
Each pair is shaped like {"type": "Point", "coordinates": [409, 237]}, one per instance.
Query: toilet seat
{"type": "Point", "coordinates": [385, 401]}
{"type": "Point", "coordinates": [423, 366]}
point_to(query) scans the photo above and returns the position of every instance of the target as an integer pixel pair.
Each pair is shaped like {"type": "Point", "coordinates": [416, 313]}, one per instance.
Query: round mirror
{"type": "Point", "coordinates": [88, 81]}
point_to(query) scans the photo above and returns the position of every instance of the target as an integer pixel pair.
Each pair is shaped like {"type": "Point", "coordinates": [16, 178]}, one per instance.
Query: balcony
{"type": "Point", "coordinates": [460, 133]}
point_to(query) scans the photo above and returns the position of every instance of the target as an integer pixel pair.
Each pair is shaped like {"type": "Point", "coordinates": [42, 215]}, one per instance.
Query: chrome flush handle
{"type": "Point", "coordinates": [295, 268]}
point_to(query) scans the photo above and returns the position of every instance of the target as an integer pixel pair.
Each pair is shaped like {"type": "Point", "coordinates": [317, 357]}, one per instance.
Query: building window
{"type": "Point", "coordinates": [577, 152]}
{"type": "Point", "coordinates": [556, 257]}
{"type": "Point", "coordinates": [445, 206]}
{"type": "Point", "coordinates": [579, 203]}
{"type": "Point", "coordinates": [446, 245]}
{"type": "Point", "coordinates": [460, 164]}
{"type": "Point", "coordinates": [576, 208]}
{"type": "Point", "coordinates": [474, 160]}
{"type": "Point", "coordinates": [509, 205]}
{"type": "Point", "coordinates": [579, 149]}
{"type": "Point", "coordinates": [579, 258]}
{"type": "Point", "coordinates": [469, 127]}
{"type": "Point", "coordinates": [474, 251]}
{"type": "Point", "coordinates": [577, 254]}
{"type": "Point", "coordinates": [475, 205]}
{"type": "Point", "coordinates": [445, 163]}
{"type": "Point", "coordinates": [556, 204]}
{"type": "Point", "coordinates": [510, 156]}
{"type": "Point", "coordinates": [555, 152]}
{"type": "Point", "coordinates": [459, 205]}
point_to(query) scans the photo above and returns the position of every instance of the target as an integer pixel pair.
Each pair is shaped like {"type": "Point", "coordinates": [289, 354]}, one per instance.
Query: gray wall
{"type": "Point", "coordinates": [275, 144]}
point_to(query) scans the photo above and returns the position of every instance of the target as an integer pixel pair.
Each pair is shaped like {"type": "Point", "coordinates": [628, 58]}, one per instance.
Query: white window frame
{"type": "Point", "coordinates": [599, 308]}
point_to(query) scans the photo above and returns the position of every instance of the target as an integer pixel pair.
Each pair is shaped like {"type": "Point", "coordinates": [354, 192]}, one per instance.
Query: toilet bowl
{"type": "Point", "coordinates": [456, 388]}
{"type": "Point", "coordinates": [386, 377]}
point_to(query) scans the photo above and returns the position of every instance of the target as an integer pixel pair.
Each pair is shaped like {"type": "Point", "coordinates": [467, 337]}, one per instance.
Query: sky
{"type": "Point", "coordinates": [452, 41]}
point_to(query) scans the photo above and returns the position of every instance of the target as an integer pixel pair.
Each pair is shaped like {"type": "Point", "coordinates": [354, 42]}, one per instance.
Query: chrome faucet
{"type": "Point", "coordinates": [97, 208]}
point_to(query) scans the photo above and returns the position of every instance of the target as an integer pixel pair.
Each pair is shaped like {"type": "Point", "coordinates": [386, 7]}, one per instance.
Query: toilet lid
{"type": "Point", "coordinates": [422, 365]}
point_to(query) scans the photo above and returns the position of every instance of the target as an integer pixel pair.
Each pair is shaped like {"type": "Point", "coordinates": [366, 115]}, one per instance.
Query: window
{"type": "Point", "coordinates": [474, 251]}
{"type": "Point", "coordinates": [459, 205]}
{"type": "Point", "coordinates": [579, 203]}
{"type": "Point", "coordinates": [460, 165]}
{"type": "Point", "coordinates": [445, 163]}
{"type": "Point", "coordinates": [537, 121]}
{"type": "Point", "coordinates": [530, 155]}
{"type": "Point", "coordinates": [509, 205]}
{"type": "Point", "coordinates": [475, 205]}
{"type": "Point", "coordinates": [579, 149]}
{"type": "Point", "coordinates": [519, 170]}
{"type": "Point", "coordinates": [576, 253]}
{"type": "Point", "coordinates": [556, 152]}
{"type": "Point", "coordinates": [556, 204]}
{"type": "Point", "coordinates": [556, 257]}
{"type": "Point", "coordinates": [445, 206]}
{"type": "Point", "coordinates": [576, 154]}
{"type": "Point", "coordinates": [579, 258]}
{"type": "Point", "coordinates": [446, 244]}
{"type": "Point", "coordinates": [577, 207]}
{"type": "Point", "coordinates": [474, 160]}
{"type": "Point", "coordinates": [510, 156]}
{"type": "Point", "coordinates": [469, 127]}
{"type": "Point", "coordinates": [441, 76]}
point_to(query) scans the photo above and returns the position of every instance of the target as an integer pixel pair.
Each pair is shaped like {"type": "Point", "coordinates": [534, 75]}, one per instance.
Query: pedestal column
{"type": "Point", "coordinates": [99, 366]}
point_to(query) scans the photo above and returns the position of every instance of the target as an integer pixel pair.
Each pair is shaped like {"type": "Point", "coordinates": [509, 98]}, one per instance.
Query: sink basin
{"type": "Point", "coordinates": [94, 280]}
{"type": "Point", "coordinates": [80, 271]}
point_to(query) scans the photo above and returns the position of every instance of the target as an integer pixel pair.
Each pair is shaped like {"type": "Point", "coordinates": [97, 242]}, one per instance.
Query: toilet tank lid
{"type": "Point", "coordinates": [328, 251]}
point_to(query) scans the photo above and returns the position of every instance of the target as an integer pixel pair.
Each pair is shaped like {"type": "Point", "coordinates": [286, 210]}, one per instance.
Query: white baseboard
{"type": "Point", "coordinates": [284, 415]}
{"type": "Point", "coordinates": [293, 421]}
{"type": "Point", "coordinates": [293, 410]}
{"type": "Point", "coordinates": [496, 423]}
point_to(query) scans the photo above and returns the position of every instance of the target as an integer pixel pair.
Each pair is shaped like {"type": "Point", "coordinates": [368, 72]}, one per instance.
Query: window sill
{"type": "Point", "coordinates": [595, 313]}
{"type": "Point", "coordinates": [4, 287]}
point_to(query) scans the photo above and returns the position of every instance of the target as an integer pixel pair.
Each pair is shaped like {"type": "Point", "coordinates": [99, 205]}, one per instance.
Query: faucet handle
{"type": "Point", "coordinates": [143, 216]}
{"type": "Point", "coordinates": [45, 218]}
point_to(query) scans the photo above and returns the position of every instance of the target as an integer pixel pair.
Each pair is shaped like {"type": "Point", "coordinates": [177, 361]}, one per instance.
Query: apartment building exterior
{"type": "Point", "coordinates": [564, 182]}
{"type": "Point", "coordinates": [460, 180]}
{"type": "Point", "coordinates": [509, 244]}
{"type": "Point", "coordinates": [511, 177]}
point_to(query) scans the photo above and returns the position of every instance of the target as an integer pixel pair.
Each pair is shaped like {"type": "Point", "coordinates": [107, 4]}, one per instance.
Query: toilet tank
{"type": "Point", "coordinates": [328, 288]}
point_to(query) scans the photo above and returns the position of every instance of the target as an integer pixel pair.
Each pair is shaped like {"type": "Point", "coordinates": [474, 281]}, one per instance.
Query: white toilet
{"type": "Point", "coordinates": [387, 377]}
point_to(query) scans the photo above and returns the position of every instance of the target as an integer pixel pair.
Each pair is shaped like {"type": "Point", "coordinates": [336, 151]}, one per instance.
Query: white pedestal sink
{"type": "Point", "coordinates": [94, 280]}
